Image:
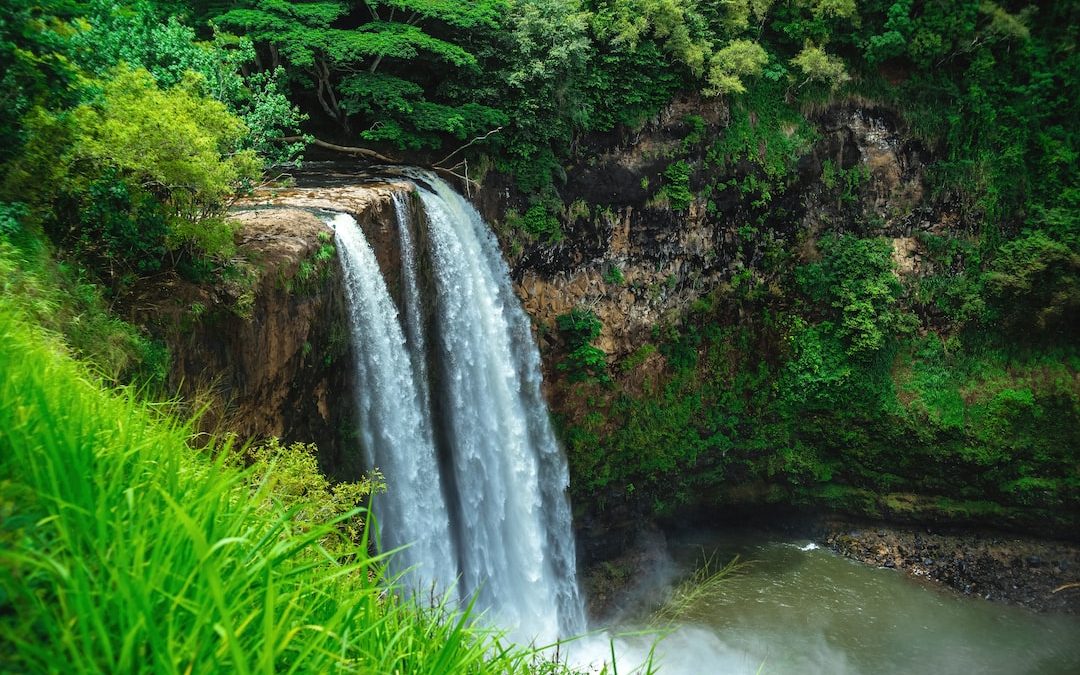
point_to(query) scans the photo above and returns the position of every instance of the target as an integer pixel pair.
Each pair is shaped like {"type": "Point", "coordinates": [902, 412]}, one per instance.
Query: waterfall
{"type": "Point", "coordinates": [505, 519]}
{"type": "Point", "coordinates": [394, 420]}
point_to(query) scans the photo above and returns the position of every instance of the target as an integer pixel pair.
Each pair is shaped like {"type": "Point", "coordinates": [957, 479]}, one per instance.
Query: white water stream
{"type": "Point", "coordinates": [477, 482]}
{"type": "Point", "coordinates": [394, 420]}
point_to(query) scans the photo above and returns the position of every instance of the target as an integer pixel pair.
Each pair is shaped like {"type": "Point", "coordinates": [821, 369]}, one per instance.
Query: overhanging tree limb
{"type": "Point", "coordinates": [478, 138]}
{"type": "Point", "coordinates": [347, 149]}
{"type": "Point", "coordinates": [365, 153]}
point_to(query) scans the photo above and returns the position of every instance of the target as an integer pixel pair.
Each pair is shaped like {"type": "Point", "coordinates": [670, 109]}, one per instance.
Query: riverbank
{"type": "Point", "coordinates": [1036, 573]}
{"type": "Point", "coordinates": [1040, 574]}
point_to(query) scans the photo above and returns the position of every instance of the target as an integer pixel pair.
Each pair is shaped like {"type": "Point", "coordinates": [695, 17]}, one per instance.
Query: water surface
{"type": "Point", "coordinates": [802, 609]}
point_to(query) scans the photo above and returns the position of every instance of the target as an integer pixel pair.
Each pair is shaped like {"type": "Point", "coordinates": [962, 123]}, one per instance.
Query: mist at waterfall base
{"type": "Point", "coordinates": [450, 409]}
{"type": "Point", "coordinates": [799, 608]}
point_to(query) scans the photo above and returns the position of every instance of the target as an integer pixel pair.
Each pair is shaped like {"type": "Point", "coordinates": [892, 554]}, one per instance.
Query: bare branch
{"type": "Point", "coordinates": [347, 149]}
{"type": "Point", "coordinates": [371, 155]}
{"type": "Point", "coordinates": [475, 140]}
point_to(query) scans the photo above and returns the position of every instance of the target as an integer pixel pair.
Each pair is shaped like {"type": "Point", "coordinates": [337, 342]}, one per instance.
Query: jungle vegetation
{"type": "Point", "coordinates": [128, 128]}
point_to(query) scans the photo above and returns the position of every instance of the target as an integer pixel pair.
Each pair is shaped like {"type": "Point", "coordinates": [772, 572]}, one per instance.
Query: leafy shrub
{"type": "Point", "coordinates": [676, 187]}
{"type": "Point", "coordinates": [855, 279]}
{"type": "Point", "coordinates": [1034, 282]}
{"type": "Point", "coordinates": [120, 229]}
{"type": "Point", "coordinates": [64, 302]}
{"type": "Point", "coordinates": [539, 222]}
{"type": "Point", "coordinates": [11, 217]}
{"type": "Point", "coordinates": [583, 361]}
{"type": "Point", "coordinates": [291, 472]}
{"type": "Point", "coordinates": [614, 276]}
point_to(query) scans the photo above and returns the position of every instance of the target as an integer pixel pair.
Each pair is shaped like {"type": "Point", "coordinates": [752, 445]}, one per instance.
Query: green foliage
{"type": "Point", "coordinates": [315, 270]}
{"type": "Point", "coordinates": [845, 182]}
{"type": "Point", "coordinates": [141, 170]}
{"type": "Point", "coordinates": [120, 227]}
{"type": "Point", "coordinates": [142, 554]}
{"type": "Point", "coordinates": [614, 276]}
{"type": "Point", "coordinates": [818, 66]}
{"type": "Point", "coordinates": [676, 186]}
{"type": "Point", "coordinates": [698, 592]}
{"type": "Point", "coordinates": [626, 86]}
{"type": "Point", "coordinates": [738, 59]}
{"type": "Point", "coordinates": [1034, 282]}
{"type": "Point", "coordinates": [678, 25]}
{"type": "Point", "coordinates": [35, 66]}
{"type": "Point", "coordinates": [295, 482]}
{"type": "Point", "coordinates": [765, 131]}
{"type": "Point", "coordinates": [539, 222]}
{"type": "Point", "coordinates": [140, 35]}
{"type": "Point", "coordinates": [11, 216]}
{"type": "Point", "coordinates": [977, 432]}
{"type": "Point", "coordinates": [1005, 148]}
{"type": "Point", "coordinates": [348, 67]}
{"type": "Point", "coordinates": [855, 278]}
{"type": "Point", "coordinates": [62, 301]}
{"type": "Point", "coordinates": [173, 142]}
{"type": "Point", "coordinates": [546, 48]}
{"type": "Point", "coordinates": [584, 361]}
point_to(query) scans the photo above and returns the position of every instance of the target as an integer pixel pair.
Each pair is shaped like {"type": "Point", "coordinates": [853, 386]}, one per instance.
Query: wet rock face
{"type": "Point", "coordinates": [636, 263]}
{"type": "Point", "coordinates": [880, 172]}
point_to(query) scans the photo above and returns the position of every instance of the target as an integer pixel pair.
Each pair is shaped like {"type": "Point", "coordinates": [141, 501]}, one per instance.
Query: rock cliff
{"type": "Point", "coordinates": [636, 262]}
{"type": "Point", "coordinates": [268, 353]}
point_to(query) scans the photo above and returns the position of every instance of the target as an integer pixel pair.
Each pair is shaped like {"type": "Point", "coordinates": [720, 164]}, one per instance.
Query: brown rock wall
{"type": "Point", "coordinates": [271, 356]}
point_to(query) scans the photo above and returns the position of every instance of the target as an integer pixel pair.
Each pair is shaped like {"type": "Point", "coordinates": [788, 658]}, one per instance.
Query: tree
{"type": "Point", "coordinates": [135, 172]}
{"type": "Point", "coordinates": [820, 67]}
{"type": "Point", "coordinates": [544, 54]}
{"type": "Point", "coordinates": [174, 143]}
{"type": "Point", "coordinates": [298, 34]}
{"type": "Point", "coordinates": [347, 67]}
{"type": "Point", "coordinates": [35, 67]}
{"type": "Point", "coordinates": [735, 61]}
{"type": "Point", "coordinates": [690, 31]}
{"type": "Point", "coordinates": [139, 35]}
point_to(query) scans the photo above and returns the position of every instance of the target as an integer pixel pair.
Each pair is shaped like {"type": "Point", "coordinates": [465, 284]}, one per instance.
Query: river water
{"type": "Point", "coordinates": [797, 608]}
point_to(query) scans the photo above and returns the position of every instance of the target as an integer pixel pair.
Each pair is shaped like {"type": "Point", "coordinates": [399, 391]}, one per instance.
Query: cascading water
{"type": "Point", "coordinates": [505, 477]}
{"type": "Point", "coordinates": [394, 418]}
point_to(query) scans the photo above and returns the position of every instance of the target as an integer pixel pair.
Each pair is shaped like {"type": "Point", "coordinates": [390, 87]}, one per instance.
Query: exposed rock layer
{"type": "Point", "coordinates": [270, 356]}
{"type": "Point", "coordinates": [1038, 574]}
{"type": "Point", "coordinates": [636, 263]}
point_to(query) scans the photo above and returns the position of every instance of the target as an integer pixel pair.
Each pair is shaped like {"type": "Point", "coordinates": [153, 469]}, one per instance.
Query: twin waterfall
{"type": "Point", "coordinates": [450, 410]}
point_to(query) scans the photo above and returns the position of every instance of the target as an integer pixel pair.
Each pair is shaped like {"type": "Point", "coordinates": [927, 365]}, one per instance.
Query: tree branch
{"type": "Point", "coordinates": [371, 155]}
{"type": "Point", "coordinates": [475, 140]}
{"type": "Point", "coordinates": [346, 149]}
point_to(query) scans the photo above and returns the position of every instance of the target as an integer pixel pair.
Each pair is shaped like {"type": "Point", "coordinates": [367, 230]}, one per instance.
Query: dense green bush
{"type": "Point", "coordinates": [854, 279]}
{"type": "Point", "coordinates": [676, 187]}
{"type": "Point", "coordinates": [584, 361]}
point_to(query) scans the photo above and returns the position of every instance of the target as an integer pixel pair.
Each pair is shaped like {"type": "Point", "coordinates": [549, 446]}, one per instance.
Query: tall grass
{"type": "Point", "coordinates": [690, 594]}
{"type": "Point", "coordinates": [124, 550]}
{"type": "Point", "coordinates": [61, 298]}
